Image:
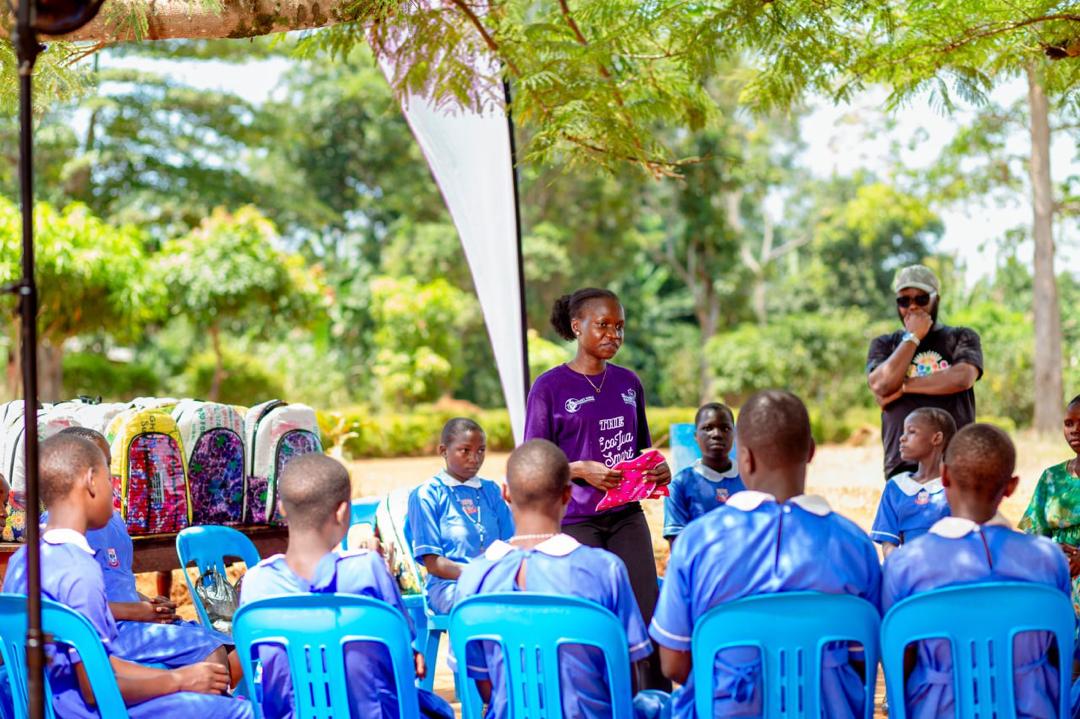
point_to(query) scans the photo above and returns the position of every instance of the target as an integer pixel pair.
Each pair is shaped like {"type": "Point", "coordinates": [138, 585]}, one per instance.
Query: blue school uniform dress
{"type": "Point", "coordinates": [71, 576]}
{"type": "Point", "coordinates": [560, 565]}
{"type": "Point", "coordinates": [372, 694]}
{"type": "Point", "coordinates": [697, 489]}
{"type": "Point", "coordinates": [175, 645]}
{"type": "Point", "coordinates": [958, 551]}
{"type": "Point", "coordinates": [456, 520]}
{"type": "Point", "coordinates": [908, 509]}
{"type": "Point", "coordinates": [753, 545]}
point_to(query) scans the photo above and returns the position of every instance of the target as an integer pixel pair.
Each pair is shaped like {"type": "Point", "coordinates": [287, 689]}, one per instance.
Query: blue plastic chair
{"type": "Point", "coordinates": [207, 547]}
{"type": "Point", "coordinates": [63, 625]}
{"type": "Point", "coordinates": [361, 511]}
{"type": "Point", "coordinates": [314, 629]}
{"type": "Point", "coordinates": [531, 628]}
{"type": "Point", "coordinates": [980, 621]}
{"type": "Point", "coordinates": [435, 625]}
{"type": "Point", "coordinates": [790, 631]}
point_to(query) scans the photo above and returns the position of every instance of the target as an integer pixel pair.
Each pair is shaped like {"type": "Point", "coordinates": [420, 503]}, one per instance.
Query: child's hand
{"type": "Point", "coordinates": [1073, 555]}
{"type": "Point", "coordinates": [597, 475]}
{"type": "Point", "coordinates": [160, 601]}
{"type": "Point", "coordinates": [203, 678]}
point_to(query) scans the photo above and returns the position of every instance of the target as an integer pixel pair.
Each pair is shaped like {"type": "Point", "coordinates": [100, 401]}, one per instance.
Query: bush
{"type": "Point", "coordinates": [247, 379]}
{"type": "Point", "coordinates": [94, 375]}
{"type": "Point", "coordinates": [361, 433]}
{"type": "Point", "coordinates": [819, 356]}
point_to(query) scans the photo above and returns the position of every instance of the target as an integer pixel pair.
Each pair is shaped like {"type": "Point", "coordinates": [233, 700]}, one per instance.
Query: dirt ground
{"type": "Point", "coordinates": [848, 476]}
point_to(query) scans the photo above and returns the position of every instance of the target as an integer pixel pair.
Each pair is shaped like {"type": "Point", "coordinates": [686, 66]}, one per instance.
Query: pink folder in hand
{"type": "Point", "coordinates": [633, 485]}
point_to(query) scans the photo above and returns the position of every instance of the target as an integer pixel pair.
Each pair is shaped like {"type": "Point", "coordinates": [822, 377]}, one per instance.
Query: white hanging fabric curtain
{"type": "Point", "coordinates": [469, 155]}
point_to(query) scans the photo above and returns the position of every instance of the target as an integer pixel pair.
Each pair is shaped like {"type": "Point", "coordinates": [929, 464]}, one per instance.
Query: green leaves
{"type": "Point", "coordinates": [91, 277]}
{"type": "Point", "coordinates": [228, 273]}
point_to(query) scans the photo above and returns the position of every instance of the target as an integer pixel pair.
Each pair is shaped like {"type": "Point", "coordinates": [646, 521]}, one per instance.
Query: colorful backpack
{"type": "Point", "coordinates": [149, 474]}
{"type": "Point", "coordinates": [212, 436]}
{"type": "Point", "coordinates": [274, 433]}
{"type": "Point", "coordinates": [14, 462]}
{"type": "Point", "coordinates": [98, 416]}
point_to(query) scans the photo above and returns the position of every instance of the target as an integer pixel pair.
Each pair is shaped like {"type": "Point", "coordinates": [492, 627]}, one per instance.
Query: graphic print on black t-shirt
{"type": "Point", "coordinates": [942, 348]}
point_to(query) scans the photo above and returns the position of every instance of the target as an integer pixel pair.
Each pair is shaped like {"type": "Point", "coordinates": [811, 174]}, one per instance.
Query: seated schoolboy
{"type": "Point", "coordinates": [314, 493]}
{"type": "Point", "coordinates": [912, 502]}
{"type": "Point", "coordinates": [542, 559]}
{"type": "Point", "coordinates": [770, 538]}
{"type": "Point", "coordinates": [709, 481]}
{"type": "Point", "coordinates": [148, 630]}
{"type": "Point", "coordinates": [455, 515]}
{"type": "Point", "coordinates": [974, 545]}
{"type": "Point", "coordinates": [77, 490]}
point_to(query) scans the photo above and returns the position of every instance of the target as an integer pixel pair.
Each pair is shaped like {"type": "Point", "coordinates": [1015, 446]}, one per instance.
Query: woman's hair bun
{"type": "Point", "coordinates": [560, 317]}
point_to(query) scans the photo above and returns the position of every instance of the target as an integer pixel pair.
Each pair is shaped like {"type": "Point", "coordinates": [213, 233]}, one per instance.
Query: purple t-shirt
{"type": "Point", "coordinates": [607, 427]}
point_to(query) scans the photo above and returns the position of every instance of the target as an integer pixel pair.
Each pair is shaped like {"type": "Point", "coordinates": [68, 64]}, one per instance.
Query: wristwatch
{"type": "Point", "coordinates": [910, 337]}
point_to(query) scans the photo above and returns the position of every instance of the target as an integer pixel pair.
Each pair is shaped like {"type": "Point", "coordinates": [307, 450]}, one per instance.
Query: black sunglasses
{"type": "Point", "coordinates": [920, 300]}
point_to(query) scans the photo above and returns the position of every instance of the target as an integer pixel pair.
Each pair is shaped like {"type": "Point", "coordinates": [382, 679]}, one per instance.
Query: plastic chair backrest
{"type": "Point", "coordinates": [790, 631]}
{"type": "Point", "coordinates": [361, 511]}
{"type": "Point", "coordinates": [63, 625]}
{"type": "Point", "coordinates": [684, 446]}
{"type": "Point", "coordinates": [980, 621]}
{"type": "Point", "coordinates": [531, 627]}
{"type": "Point", "coordinates": [207, 547]}
{"type": "Point", "coordinates": [314, 629]}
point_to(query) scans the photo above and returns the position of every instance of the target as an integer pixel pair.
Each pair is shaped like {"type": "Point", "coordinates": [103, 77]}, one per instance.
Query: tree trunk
{"type": "Point", "coordinates": [219, 365]}
{"type": "Point", "coordinates": [51, 372]}
{"type": "Point", "coordinates": [708, 313]}
{"type": "Point", "coordinates": [1049, 392]}
{"type": "Point", "coordinates": [50, 369]}
{"type": "Point", "coordinates": [759, 299]}
{"type": "Point", "coordinates": [170, 19]}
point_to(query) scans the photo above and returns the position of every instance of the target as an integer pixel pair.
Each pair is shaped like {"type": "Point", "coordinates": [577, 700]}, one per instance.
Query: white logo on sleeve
{"type": "Point", "coordinates": [630, 397]}
{"type": "Point", "coordinates": [573, 405]}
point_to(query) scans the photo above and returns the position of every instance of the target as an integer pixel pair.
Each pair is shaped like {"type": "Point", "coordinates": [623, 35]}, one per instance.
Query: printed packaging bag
{"type": "Point", "coordinates": [633, 486]}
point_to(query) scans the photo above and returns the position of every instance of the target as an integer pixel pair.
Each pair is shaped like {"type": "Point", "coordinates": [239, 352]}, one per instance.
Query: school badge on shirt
{"type": "Point", "coordinates": [923, 497]}
{"type": "Point", "coordinates": [110, 554]}
{"type": "Point", "coordinates": [468, 506]}
{"type": "Point", "coordinates": [721, 495]}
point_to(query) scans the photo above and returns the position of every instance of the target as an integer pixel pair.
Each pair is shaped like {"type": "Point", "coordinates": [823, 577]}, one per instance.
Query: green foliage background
{"type": "Point", "coordinates": [305, 232]}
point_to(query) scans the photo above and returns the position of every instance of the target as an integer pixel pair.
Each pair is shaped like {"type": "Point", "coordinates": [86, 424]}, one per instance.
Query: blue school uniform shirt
{"type": "Point", "coordinates": [175, 645]}
{"type": "Point", "coordinates": [560, 565]}
{"type": "Point", "coordinates": [71, 576]}
{"type": "Point", "coordinates": [697, 489]}
{"type": "Point", "coordinates": [908, 509]}
{"type": "Point", "coordinates": [958, 551]}
{"type": "Point", "coordinates": [753, 545]}
{"type": "Point", "coordinates": [372, 694]}
{"type": "Point", "coordinates": [456, 520]}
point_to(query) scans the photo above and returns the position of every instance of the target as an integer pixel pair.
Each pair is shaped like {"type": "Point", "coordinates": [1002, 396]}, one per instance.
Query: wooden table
{"type": "Point", "coordinates": [158, 553]}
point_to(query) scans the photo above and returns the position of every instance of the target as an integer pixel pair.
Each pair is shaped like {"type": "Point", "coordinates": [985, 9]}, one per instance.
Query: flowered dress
{"type": "Point", "coordinates": [1054, 512]}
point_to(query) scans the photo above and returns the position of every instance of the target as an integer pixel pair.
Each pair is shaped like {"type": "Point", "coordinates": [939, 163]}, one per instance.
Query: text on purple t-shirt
{"type": "Point", "coordinates": [607, 426]}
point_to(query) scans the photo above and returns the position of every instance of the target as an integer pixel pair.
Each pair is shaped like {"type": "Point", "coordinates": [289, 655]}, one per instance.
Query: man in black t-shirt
{"type": "Point", "coordinates": [925, 364]}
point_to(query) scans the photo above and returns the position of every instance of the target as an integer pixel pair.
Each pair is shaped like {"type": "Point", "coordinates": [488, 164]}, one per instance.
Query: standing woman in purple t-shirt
{"type": "Point", "coordinates": [595, 412]}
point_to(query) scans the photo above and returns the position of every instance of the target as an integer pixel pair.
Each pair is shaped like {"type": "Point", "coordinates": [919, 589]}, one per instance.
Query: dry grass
{"type": "Point", "coordinates": [848, 476]}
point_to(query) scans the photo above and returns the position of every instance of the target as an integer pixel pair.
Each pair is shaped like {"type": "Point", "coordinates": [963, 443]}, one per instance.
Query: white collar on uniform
{"type": "Point", "coordinates": [909, 486]}
{"type": "Point", "coordinates": [449, 481]}
{"type": "Point", "coordinates": [749, 499]}
{"type": "Point", "coordinates": [712, 475]}
{"type": "Point", "coordinates": [957, 527]}
{"type": "Point", "coordinates": [558, 546]}
{"type": "Point", "coordinates": [67, 536]}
